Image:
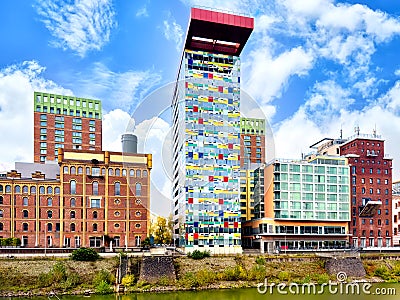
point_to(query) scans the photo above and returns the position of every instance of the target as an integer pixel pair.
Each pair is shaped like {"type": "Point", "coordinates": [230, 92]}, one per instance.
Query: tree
{"type": "Point", "coordinates": [162, 230]}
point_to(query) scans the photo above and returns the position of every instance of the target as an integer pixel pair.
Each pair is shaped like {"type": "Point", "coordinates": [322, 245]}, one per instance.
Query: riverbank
{"type": "Point", "coordinates": [40, 276]}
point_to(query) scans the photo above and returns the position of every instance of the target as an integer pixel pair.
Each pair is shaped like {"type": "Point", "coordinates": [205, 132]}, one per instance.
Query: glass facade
{"type": "Point", "coordinates": [207, 151]}
{"type": "Point", "coordinates": [312, 191]}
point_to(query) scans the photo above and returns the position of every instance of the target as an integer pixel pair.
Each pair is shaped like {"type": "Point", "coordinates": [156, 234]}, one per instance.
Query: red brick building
{"type": "Point", "coordinates": [65, 122]}
{"type": "Point", "coordinates": [371, 191]}
{"type": "Point", "coordinates": [97, 197]}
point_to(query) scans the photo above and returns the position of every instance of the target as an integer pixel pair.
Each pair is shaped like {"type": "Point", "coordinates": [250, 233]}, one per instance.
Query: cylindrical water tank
{"type": "Point", "coordinates": [129, 143]}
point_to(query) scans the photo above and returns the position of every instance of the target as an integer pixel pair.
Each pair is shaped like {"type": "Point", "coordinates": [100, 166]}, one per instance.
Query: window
{"type": "Point", "coordinates": [1, 227]}
{"type": "Point", "coordinates": [110, 172]}
{"type": "Point", "coordinates": [25, 189]}
{"type": "Point", "coordinates": [144, 173]}
{"type": "Point", "coordinates": [95, 215]}
{"type": "Point", "coordinates": [131, 172]}
{"type": "Point", "coordinates": [72, 227]}
{"type": "Point", "coordinates": [17, 189]}
{"type": "Point", "coordinates": [138, 173]}
{"type": "Point", "coordinates": [94, 227]}
{"type": "Point", "coordinates": [49, 202]}
{"type": "Point", "coordinates": [49, 214]}
{"type": "Point", "coordinates": [33, 190]}
{"type": "Point", "coordinates": [73, 202]}
{"type": "Point", "coordinates": [8, 188]}
{"type": "Point", "coordinates": [95, 188]}
{"type": "Point", "coordinates": [57, 190]}
{"type": "Point", "coordinates": [117, 189]}
{"type": "Point", "coordinates": [72, 214]}
{"type": "Point", "coordinates": [1, 213]}
{"type": "Point", "coordinates": [117, 172]}
{"type": "Point", "coordinates": [1, 199]}
{"type": "Point", "coordinates": [95, 203]}
{"type": "Point", "coordinates": [138, 189]}
{"type": "Point", "coordinates": [25, 227]}
{"type": "Point", "coordinates": [73, 187]}
{"type": "Point", "coordinates": [42, 190]}
{"type": "Point", "coordinates": [138, 214]}
{"type": "Point", "coordinates": [65, 170]}
{"type": "Point", "coordinates": [80, 170]}
{"type": "Point", "coordinates": [137, 225]}
{"type": "Point", "coordinates": [25, 214]}
{"type": "Point", "coordinates": [123, 172]}
{"type": "Point", "coordinates": [73, 170]}
{"type": "Point", "coordinates": [49, 227]}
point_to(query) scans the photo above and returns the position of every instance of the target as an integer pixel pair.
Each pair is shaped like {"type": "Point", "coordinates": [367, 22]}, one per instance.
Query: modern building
{"type": "Point", "coordinates": [371, 222]}
{"type": "Point", "coordinates": [300, 205]}
{"type": "Point", "coordinates": [96, 198]}
{"type": "Point", "coordinates": [206, 128]}
{"type": "Point", "coordinates": [65, 122]}
{"type": "Point", "coordinates": [252, 155]}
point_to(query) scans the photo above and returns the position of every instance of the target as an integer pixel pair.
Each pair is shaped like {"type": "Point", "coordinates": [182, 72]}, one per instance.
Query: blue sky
{"type": "Point", "coordinates": [312, 66]}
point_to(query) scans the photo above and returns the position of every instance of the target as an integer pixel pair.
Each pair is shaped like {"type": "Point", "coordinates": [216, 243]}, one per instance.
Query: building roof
{"type": "Point", "coordinates": [218, 32]}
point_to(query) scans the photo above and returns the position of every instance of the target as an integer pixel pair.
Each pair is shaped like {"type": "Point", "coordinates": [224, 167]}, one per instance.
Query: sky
{"type": "Point", "coordinates": [313, 67]}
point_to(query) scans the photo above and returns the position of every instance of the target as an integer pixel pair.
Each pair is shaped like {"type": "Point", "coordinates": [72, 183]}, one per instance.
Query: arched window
{"type": "Point", "coordinates": [138, 173]}
{"type": "Point", "coordinates": [80, 170]}
{"type": "Point", "coordinates": [138, 189]}
{"type": "Point", "coordinates": [1, 213]}
{"type": "Point", "coordinates": [94, 227]}
{"type": "Point", "coordinates": [144, 173]}
{"type": "Point", "coordinates": [33, 189]}
{"type": "Point", "coordinates": [73, 202]}
{"type": "Point", "coordinates": [17, 189]}
{"type": "Point", "coordinates": [72, 214]}
{"type": "Point", "coordinates": [25, 189]}
{"type": "Point", "coordinates": [87, 171]}
{"type": "Point", "coordinates": [117, 172]}
{"type": "Point", "coordinates": [25, 227]}
{"type": "Point", "coordinates": [1, 188]}
{"type": "Point", "coordinates": [117, 189]}
{"type": "Point", "coordinates": [49, 190]}
{"type": "Point", "coordinates": [8, 188]}
{"type": "Point", "coordinates": [42, 190]}
{"type": "Point", "coordinates": [123, 172]}
{"type": "Point", "coordinates": [49, 202]}
{"type": "Point", "coordinates": [95, 215]}
{"type": "Point", "coordinates": [72, 186]}
{"type": "Point", "coordinates": [57, 190]}
{"type": "Point", "coordinates": [1, 199]}
{"type": "Point", "coordinates": [25, 201]}
{"type": "Point", "coordinates": [73, 170]}
{"type": "Point", "coordinates": [110, 172]}
{"type": "Point", "coordinates": [25, 214]}
{"type": "Point", "coordinates": [1, 227]}
{"type": "Point", "coordinates": [65, 170]}
{"type": "Point", "coordinates": [49, 214]}
{"type": "Point", "coordinates": [72, 229]}
{"type": "Point", "coordinates": [103, 171]}
{"type": "Point", "coordinates": [132, 172]}
{"type": "Point", "coordinates": [95, 187]}
{"type": "Point", "coordinates": [49, 227]}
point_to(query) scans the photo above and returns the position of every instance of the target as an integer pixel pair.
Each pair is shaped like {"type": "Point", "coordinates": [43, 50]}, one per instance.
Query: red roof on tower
{"type": "Point", "coordinates": [218, 32]}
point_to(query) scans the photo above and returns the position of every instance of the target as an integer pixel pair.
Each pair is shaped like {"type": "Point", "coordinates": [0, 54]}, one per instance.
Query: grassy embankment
{"type": "Point", "coordinates": [64, 275]}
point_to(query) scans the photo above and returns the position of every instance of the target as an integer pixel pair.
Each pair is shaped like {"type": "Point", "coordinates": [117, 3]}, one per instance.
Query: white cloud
{"type": "Point", "coordinates": [267, 75]}
{"type": "Point", "coordinates": [116, 90]}
{"type": "Point", "coordinates": [142, 12]}
{"type": "Point", "coordinates": [114, 124]}
{"type": "Point", "coordinates": [173, 32]}
{"type": "Point", "coordinates": [397, 72]}
{"type": "Point", "coordinates": [81, 26]}
{"type": "Point", "coordinates": [17, 84]}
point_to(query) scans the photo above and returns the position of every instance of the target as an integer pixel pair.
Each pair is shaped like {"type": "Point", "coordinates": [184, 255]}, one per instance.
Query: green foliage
{"type": "Point", "coordinates": [322, 278]}
{"type": "Point", "coordinates": [58, 277]}
{"type": "Point", "coordinates": [189, 280]}
{"type": "Point", "coordinates": [235, 273]}
{"type": "Point", "coordinates": [284, 276]}
{"type": "Point", "coordinates": [197, 254]}
{"type": "Point", "coordinates": [128, 280]}
{"type": "Point", "coordinates": [146, 242]}
{"type": "Point", "coordinates": [258, 272]}
{"type": "Point", "coordinates": [10, 242]}
{"type": "Point", "coordinates": [382, 272]}
{"type": "Point", "coordinates": [58, 273]}
{"type": "Point", "coordinates": [103, 275]}
{"type": "Point", "coordinates": [260, 260]}
{"type": "Point", "coordinates": [162, 230]}
{"type": "Point", "coordinates": [103, 288]}
{"type": "Point", "coordinates": [85, 254]}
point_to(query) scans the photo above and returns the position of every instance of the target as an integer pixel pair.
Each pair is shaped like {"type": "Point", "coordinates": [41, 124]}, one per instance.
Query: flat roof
{"type": "Point", "coordinates": [218, 32]}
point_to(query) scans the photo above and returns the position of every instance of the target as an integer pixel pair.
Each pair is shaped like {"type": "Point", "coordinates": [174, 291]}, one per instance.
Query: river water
{"type": "Point", "coordinates": [381, 291]}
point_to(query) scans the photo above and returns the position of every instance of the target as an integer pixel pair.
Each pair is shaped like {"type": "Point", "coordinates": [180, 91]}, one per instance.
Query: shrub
{"type": "Point", "coordinates": [257, 272]}
{"type": "Point", "coordinates": [382, 272]}
{"type": "Point", "coordinates": [84, 254]}
{"type": "Point", "coordinates": [103, 288]}
{"type": "Point", "coordinates": [128, 280]}
{"type": "Point", "coordinates": [284, 276]}
{"type": "Point", "coordinates": [322, 278]}
{"type": "Point", "coordinates": [103, 275]}
{"type": "Point", "coordinates": [58, 272]}
{"type": "Point", "coordinates": [260, 260]}
{"type": "Point", "coordinates": [197, 254]}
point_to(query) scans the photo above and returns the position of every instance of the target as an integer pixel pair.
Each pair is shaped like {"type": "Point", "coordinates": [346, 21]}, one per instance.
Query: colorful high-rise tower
{"type": "Point", "coordinates": [206, 129]}
{"type": "Point", "coordinates": [65, 122]}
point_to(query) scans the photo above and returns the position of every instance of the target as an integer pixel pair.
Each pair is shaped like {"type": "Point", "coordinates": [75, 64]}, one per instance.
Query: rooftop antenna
{"type": "Point", "coordinates": [341, 131]}
{"type": "Point", "coordinates": [357, 130]}
{"type": "Point", "coordinates": [374, 131]}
